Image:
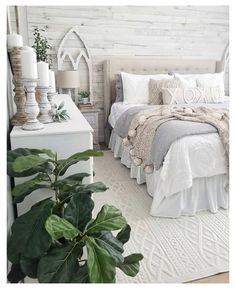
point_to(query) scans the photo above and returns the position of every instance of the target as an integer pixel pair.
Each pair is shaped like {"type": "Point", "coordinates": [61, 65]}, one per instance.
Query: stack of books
{"type": "Point", "coordinates": [86, 106]}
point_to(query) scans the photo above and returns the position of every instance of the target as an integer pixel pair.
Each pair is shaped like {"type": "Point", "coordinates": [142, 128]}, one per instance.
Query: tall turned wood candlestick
{"type": "Point", "coordinates": [31, 106]}
{"type": "Point", "coordinates": [20, 116]}
{"type": "Point", "coordinates": [50, 95]}
{"type": "Point", "coordinates": [44, 105]}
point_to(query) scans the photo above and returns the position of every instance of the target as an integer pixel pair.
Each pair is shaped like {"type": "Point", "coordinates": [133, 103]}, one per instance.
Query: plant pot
{"type": "Point", "coordinates": [85, 100]}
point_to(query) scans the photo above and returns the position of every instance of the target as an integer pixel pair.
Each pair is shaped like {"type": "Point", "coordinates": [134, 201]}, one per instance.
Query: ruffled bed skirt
{"type": "Point", "coordinates": [206, 193]}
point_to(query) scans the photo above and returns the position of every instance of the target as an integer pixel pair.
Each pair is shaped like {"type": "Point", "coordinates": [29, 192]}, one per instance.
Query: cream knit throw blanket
{"type": "Point", "coordinates": [145, 123]}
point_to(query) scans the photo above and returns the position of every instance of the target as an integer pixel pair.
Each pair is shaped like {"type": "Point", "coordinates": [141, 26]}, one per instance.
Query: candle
{"type": "Point", "coordinates": [14, 40]}
{"type": "Point", "coordinates": [52, 80]}
{"type": "Point", "coordinates": [43, 72]}
{"type": "Point", "coordinates": [28, 63]}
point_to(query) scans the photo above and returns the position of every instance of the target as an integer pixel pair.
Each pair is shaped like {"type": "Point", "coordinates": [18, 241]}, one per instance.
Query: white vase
{"type": "Point", "coordinates": [84, 100]}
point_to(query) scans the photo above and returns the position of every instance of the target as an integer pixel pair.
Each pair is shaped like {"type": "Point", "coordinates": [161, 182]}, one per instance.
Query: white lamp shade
{"type": "Point", "coordinates": [68, 79]}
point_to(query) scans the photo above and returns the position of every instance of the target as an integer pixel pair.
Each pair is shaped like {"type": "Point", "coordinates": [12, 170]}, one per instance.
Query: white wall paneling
{"type": "Point", "coordinates": [168, 31]}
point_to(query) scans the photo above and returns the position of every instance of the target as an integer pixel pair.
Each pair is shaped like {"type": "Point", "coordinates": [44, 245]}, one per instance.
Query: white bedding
{"type": "Point", "coordinates": [118, 108]}
{"type": "Point", "coordinates": [194, 175]}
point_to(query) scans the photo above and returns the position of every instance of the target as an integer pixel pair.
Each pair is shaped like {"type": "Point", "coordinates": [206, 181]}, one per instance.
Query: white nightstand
{"type": "Point", "coordinates": [91, 115]}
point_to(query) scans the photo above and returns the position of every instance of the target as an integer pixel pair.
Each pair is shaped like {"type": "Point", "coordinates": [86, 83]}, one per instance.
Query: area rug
{"type": "Point", "coordinates": [174, 250]}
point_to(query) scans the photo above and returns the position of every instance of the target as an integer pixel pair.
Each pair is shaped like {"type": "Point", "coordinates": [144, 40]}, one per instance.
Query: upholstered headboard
{"type": "Point", "coordinates": [149, 65]}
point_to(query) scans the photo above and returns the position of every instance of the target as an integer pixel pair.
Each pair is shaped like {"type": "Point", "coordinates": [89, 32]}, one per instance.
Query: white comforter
{"type": "Point", "coordinates": [188, 161]}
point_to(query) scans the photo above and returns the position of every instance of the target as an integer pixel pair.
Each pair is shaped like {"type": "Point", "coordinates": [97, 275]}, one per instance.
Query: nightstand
{"type": "Point", "coordinates": [91, 115]}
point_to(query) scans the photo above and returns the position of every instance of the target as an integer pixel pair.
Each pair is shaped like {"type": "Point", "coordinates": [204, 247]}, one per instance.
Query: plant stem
{"type": "Point", "coordinates": [56, 177]}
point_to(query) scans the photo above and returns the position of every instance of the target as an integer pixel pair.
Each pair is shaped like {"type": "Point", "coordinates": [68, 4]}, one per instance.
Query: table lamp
{"type": "Point", "coordinates": [68, 79]}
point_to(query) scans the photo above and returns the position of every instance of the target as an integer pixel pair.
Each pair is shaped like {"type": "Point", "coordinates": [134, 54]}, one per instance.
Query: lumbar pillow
{"type": "Point", "coordinates": [192, 95]}
{"type": "Point", "coordinates": [135, 87]}
{"type": "Point", "coordinates": [155, 86]}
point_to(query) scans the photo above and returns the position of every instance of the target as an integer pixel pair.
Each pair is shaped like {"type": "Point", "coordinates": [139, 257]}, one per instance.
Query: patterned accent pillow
{"type": "Point", "coordinates": [155, 86]}
{"type": "Point", "coordinates": [119, 88]}
{"type": "Point", "coordinates": [192, 95]}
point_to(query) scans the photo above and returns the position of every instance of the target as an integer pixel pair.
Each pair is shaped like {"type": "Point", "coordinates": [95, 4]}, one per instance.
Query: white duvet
{"type": "Point", "coordinates": [195, 159]}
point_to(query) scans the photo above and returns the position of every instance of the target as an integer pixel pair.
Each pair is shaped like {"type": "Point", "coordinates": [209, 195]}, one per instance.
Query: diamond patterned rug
{"type": "Point", "coordinates": [175, 250]}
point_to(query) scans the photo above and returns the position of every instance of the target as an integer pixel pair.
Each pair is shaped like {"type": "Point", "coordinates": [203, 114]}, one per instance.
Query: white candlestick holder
{"type": "Point", "coordinates": [44, 105]}
{"type": "Point", "coordinates": [50, 95]}
{"type": "Point", "coordinates": [31, 106]}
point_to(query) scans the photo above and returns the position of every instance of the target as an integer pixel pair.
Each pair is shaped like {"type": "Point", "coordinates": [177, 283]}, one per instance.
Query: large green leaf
{"type": "Point", "coordinates": [71, 181]}
{"type": "Point", "coordinates": [124, 235]}
{"type": "Point", "coordinates": [29, 236]}
{"type": "Point", "coordinates": [108, 242]}
{"type": "Point", "coordinates": [29, 266]}
{"type": "Point", "coordinates": [79, 210]}
{"type": "Point", "coordinates": [130, 266]}
{"type": "Point", "coordinates": [20, 152]}
{"type": "Point", "coordinates": [25, 163]}
{"type": "Point", "coordinates": [101, 265]}
{"type": "Point", "coordinates": [81, 276]}
{"type": "Point", "coordinates": [82, 156]}
{"type": "Point", "coordinates": [60, 264]}
{"type": "Point", "coordinates": [108, 219]}
{"type": "Point", "coordinates": [91, 188]}
{"type": "Point", "coordinates": [58, 227]}
{"type": "Point", "coordinates": [15, 275]}
{"type": "Point", "coordinates": [13, 154]}
{"type": "Point", "coordinates": [22, 190]}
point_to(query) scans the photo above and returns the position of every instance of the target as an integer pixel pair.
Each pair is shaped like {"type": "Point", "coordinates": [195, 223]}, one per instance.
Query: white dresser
{"type": "Point", "coordinates": [66, 138]}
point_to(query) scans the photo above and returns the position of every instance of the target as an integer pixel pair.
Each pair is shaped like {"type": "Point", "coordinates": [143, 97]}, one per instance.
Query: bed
{"type": "Point", "coordinates": [194, 173]}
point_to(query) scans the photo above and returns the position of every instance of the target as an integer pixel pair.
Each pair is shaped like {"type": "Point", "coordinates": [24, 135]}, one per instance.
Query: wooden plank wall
{"type": "Point", "coordinates": [167, 31]}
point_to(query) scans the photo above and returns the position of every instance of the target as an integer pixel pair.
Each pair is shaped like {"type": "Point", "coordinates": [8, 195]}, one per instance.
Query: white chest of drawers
{"type": "Point", "coordinates": [66, 138]}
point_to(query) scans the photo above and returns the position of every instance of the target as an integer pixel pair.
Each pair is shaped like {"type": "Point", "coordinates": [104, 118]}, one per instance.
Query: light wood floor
{"type": "Point", "coordinates": [218, 278]}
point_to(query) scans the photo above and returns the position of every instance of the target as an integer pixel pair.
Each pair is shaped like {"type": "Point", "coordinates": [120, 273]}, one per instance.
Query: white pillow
{"type": "Point", "coordinates": [206, 79]}
{"type": "Point", "coordinates": [135, 86]}
{"type": "Point", "coordinates": [192, 95]}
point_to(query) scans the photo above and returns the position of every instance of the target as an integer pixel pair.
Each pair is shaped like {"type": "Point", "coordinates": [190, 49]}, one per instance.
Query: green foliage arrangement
{"type": "Point", "coordinates": [84, 93]}
{"type": "Point", "coordinates": [57, 240]}
{"type": "Point", "coordinates": [41, 45]}
{"type": "Point", "coordinates": [58, 113]}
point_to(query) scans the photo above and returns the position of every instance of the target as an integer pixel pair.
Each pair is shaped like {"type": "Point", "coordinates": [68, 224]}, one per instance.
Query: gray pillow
{"type": "Point", "coordinates": [119, 88]}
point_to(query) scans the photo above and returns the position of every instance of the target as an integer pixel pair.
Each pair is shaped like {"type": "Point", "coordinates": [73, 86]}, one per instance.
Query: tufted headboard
{"type": "Point", "coordinates": [149, 65]}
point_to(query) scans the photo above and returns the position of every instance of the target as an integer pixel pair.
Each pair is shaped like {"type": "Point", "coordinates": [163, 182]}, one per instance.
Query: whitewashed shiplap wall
{"type": "Point", "coordinates": [168, 31]}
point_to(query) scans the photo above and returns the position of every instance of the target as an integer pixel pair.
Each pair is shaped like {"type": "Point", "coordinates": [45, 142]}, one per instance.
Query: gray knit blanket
{"type": "Point", "coordinates": [153, 130]}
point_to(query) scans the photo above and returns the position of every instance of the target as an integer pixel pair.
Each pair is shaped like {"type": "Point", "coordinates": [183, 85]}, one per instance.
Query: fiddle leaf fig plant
{"type": "Point", "coordinates": [58, 240]}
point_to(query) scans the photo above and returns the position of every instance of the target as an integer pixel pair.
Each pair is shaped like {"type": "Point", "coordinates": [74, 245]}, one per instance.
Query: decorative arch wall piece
{"type": "Point", "coordinates": [225, 56]}
{"type": "Point", "coordinates": [83, 53]}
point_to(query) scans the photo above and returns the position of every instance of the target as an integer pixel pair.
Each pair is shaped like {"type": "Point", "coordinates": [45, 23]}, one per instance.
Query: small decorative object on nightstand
{"type": "Point", "coordinates": [84, 96]}
{"type": "Point", "coordinates": [91, 115]}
